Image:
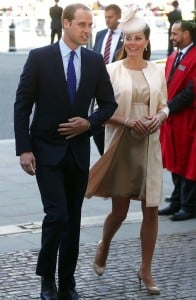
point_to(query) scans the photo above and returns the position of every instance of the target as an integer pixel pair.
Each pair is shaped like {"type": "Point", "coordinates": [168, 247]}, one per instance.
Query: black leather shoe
{"type": "Point", "coordinates": [48, 289]}
{"type": "Point", "coordinates": [182, 215]}
{"type": "Point", "coordinates": [167, 211]}
{"type": "Point", "coordinates": [69, 295]}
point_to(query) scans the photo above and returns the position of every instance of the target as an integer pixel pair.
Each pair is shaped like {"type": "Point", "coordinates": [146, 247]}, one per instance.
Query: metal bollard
{"type": "Point", "coordinates": [12, 44]}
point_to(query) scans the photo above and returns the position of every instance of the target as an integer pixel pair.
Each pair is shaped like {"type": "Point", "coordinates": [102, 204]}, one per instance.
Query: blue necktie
{"type": "Point", "coordinates": [71, 78]}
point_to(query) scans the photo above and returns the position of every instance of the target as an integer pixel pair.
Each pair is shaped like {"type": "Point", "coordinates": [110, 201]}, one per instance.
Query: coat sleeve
{"type": "Point", "coordinates": [163, 94]}
{"type": "Point", "coordinates": [25, 99]}
{"type": "Point", "coordinates": [104, 95]}
{"type": "Point", "coordinates": [183, 99]}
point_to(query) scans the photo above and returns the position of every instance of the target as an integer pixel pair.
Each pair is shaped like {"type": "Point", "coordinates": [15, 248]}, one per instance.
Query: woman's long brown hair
{"type": "Point", "coordinates": [121, 53]}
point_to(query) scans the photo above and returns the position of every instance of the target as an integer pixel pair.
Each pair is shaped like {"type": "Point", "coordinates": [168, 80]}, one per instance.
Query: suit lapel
{"type": "Point", "coordinates": [118, 47]}
{"type": "Point", "coordinates": [102, 36]}
{"type": "Point", "coordinates": [58, 64]}
{"type": "Point", "coordinates": [85, 78]}
{"type": "Point", "coordinates": [84, 72]}
{"type": "Point", "coordinates": [60, 79]}
{"type": "Point", "coordinates": [172, 58]}
{"type": "Point", "coordinates": [120, 42]}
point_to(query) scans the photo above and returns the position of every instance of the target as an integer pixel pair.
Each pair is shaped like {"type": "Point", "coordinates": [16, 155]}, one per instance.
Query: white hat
{"type": "Point", "coordinates": [130, 22]}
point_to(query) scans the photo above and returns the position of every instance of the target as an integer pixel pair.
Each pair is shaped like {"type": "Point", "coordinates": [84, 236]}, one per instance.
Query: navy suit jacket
{"type": "Point", "coordinates": [43, 85]}
{"type": "Point", "coordinates": [99, 41]}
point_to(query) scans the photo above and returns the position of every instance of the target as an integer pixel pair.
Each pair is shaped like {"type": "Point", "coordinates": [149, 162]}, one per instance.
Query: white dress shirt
{"type": "Point", "coordinates": [115, 38]}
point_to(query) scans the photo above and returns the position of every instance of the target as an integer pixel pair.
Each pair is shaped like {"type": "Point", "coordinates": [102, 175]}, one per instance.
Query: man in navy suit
{"type": "Point", "coordinates": [56, 148]}
{"type": "Point", "coordinates": [112, 15]}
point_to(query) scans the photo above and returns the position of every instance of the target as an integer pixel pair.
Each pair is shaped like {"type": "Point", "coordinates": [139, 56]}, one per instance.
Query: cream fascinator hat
{"type": "Point", "coordinates": [130, 22]}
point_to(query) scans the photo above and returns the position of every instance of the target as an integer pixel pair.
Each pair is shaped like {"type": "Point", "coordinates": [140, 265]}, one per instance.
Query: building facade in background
{"type": "Point", "coordinates": [32, 20]}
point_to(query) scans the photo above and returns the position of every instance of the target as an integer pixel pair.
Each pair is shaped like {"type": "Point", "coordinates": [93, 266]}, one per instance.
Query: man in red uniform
{"type": "Point", "coordinates": [178, 134]}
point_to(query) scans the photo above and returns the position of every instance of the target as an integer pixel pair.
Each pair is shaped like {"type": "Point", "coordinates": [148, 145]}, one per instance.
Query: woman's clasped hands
{"type": "Point", "coordinates": [144, 126]}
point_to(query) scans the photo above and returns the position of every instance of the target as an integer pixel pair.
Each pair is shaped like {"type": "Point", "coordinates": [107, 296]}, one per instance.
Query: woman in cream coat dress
{"type": "Point", "coordinates": [131, 166]}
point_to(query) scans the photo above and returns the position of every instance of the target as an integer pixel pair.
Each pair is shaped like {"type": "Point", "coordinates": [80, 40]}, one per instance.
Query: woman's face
{"type": "Point", "coordinates": [135, 43]}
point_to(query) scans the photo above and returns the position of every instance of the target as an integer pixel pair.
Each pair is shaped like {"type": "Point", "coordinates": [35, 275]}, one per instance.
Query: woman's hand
{"type": "Point", "coordinates": [155, 122]}
{"type": "Point", "coordinates": [146, 125]}
{"type": "Point", "coordinates": [152, 123]}
{"type": "Point", "coordinates": [137, 125]}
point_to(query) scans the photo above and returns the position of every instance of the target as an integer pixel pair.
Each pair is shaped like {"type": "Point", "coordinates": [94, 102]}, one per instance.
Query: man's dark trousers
{"type": "Point", "coordinates": [62, 196]}
{"type": "Point", "coordinates": [184, 194]}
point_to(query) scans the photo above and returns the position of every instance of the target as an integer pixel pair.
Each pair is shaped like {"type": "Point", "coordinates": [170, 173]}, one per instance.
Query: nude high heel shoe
{"type": "Point", "coordinates": [98, 269]}
{"type": "Point", "coordinates": [153, 290]}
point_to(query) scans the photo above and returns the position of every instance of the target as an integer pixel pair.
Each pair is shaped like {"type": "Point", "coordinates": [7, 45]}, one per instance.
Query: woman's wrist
{"type": "Point", "coordinates": [162, 117]}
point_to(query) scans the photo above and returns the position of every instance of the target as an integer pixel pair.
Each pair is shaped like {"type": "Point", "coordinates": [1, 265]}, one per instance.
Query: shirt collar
{"type": "Point", "coordinates": [117, 30]}
{"type": "Point", "coordinates": [65, 50]}
{"type": "Point", "coordinates": [184, 50]}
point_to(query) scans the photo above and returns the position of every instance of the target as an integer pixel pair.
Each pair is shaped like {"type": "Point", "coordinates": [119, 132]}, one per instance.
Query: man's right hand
{"type": "Point", "coordinates": [28, 162]}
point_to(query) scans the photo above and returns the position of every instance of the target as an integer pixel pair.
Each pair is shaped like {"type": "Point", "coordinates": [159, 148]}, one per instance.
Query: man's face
{"type": "Point", "coordinates": [178, 37]}
{"type": "Point", "coordinates": [111, 19]}
{"type": "Point", "coordinates": [77, 31]}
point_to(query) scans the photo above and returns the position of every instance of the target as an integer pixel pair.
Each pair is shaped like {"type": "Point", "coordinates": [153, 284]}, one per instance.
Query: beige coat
{"type": "Point", "coordinates": [155, 78]}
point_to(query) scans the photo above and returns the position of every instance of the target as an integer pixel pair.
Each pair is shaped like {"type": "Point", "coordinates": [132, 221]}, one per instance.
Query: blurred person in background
{"type": "Point", "coordinates": [173, 16]}
{"type": "Point", "coordinates": [178, 134]}
{"type": "Point", "coordinates": [112, 33]}
{"type": "Point", "coordinates": [112, 15]}
{"type": "Point", "coordinates": [56, 25]}
{"type": "Point", "coordinates": [96, 5]}
{"type": "Point", "coordinates": [41, 16]}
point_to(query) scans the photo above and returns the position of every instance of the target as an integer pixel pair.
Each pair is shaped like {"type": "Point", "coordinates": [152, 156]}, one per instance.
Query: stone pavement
{"type": "Point", "coordinates": [174, 263]}
{"type": "Point", "coordinates": [174, 268]}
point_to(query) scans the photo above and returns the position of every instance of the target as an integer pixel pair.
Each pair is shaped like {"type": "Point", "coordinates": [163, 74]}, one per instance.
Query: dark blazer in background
{"type": "Point", "coordinates": [99, 41]}
{"type": "Point", "coordinates": [56, 23]}
{"type": "Point", "coordinates": [55, 14]}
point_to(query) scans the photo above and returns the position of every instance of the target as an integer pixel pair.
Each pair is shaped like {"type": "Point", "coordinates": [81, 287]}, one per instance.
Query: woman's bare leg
{"type": "Point", "coordinates": [112, 223]}
{"type": "Point", "coordinates": [148, 235]}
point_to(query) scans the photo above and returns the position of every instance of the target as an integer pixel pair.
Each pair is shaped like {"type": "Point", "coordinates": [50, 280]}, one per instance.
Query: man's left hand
{"type": "Point", "coordinates": [73, 127]}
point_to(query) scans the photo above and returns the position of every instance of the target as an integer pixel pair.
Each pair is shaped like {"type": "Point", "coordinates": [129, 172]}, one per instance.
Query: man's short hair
{"type": "Point", "coordinates": [113, 7]}
{"type": "Point", "coordinates": [175, 4]}
{"type": "Point", "coordinates": [190, 26]}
